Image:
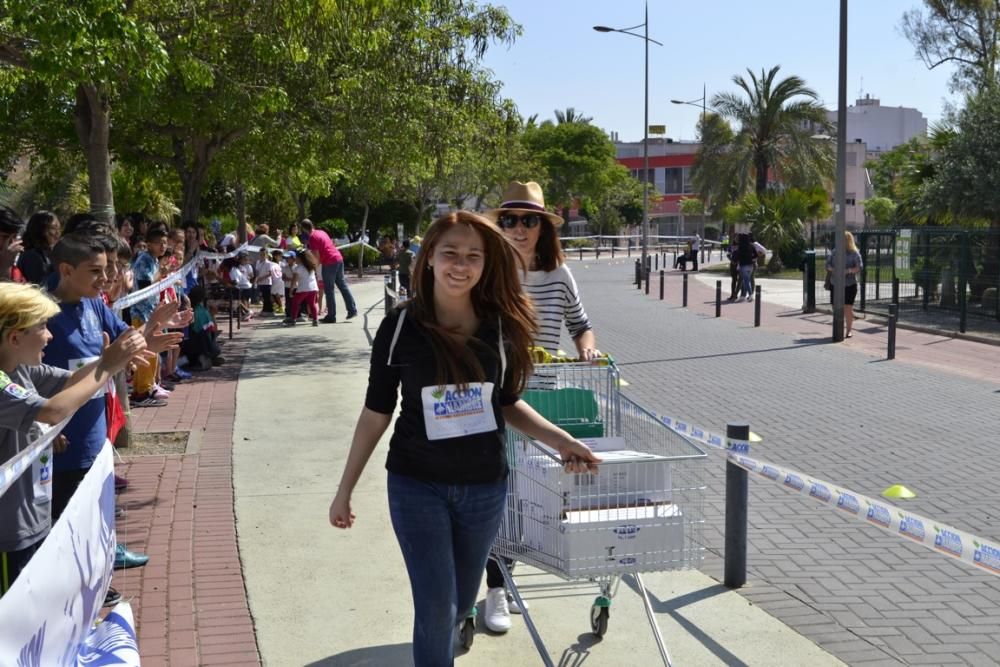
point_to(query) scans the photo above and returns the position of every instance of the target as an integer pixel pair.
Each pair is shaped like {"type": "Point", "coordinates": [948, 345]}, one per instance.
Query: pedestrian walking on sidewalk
{"type": "Point", "coordinates": [458, 350]}
{"type": "Point", "coordinates": [853, 266]}
{"type": "Point", "coordinates": [534, 233]}
{"type": "Point", "coordinates": [746, 258]}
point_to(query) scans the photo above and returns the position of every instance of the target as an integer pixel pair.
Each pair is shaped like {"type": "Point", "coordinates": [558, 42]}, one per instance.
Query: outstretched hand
{"type": "Point", "coordinates": [129, 346]}
{"type": "Point", "coordinates": [158, 341]}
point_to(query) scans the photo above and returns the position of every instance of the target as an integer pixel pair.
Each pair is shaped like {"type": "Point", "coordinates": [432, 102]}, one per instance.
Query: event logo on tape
{"type": "Point", "coordinates": [926, 532]}
{"type": "Point", "coordinates": [705, 436]}
{"type": "Point", "coordinates": [40, 442]}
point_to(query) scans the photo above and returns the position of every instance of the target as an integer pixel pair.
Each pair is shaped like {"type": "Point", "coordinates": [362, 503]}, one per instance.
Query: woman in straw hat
{"type": "Point", "coordinates": [533, 232]}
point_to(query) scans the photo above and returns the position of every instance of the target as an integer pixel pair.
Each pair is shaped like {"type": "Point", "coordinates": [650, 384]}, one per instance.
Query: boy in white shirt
{"type": "Point", "coordinates": [264, 278]}
{"type": "Point", "coordinates": [242, 277]}
{"type": "Point", "coordinates": [277, 281]}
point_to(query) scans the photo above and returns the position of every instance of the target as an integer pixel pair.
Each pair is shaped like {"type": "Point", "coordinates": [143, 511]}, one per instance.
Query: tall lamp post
{"type": "Point", "coordinates": [840, 208]}
{"type": "Point", "coordinates": [645, 126]}
{"type": "Point", "coordinates": [691, 103]}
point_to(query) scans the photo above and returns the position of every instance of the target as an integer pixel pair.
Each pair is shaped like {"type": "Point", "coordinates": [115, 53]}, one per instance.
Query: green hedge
{"type": "Point", "coordinates": [372, 257]}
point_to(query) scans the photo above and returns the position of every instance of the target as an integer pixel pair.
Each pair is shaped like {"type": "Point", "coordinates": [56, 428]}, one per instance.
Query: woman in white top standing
{"type": "Point", "coordinates": [533, 232]}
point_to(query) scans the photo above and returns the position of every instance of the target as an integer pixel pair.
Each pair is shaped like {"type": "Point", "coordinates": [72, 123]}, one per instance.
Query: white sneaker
{"type": "Point", "coordinates": [497, 615]}
{"type": "Point", "coordinates": [514, 607]}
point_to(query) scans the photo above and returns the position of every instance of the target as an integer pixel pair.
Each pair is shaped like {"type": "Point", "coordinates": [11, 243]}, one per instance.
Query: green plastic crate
{"type": "Point", "coordinates": [572, 409]}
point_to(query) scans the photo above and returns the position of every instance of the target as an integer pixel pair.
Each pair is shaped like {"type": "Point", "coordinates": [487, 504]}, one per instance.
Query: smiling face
{"type": "Point", "coordinates": [156, 246]}
{"type": "Point", "coordinates": [127, 229]}
{"type": "Point", "coordinates": [30, 343]}
{"type": "Point", "coordinates": [457, 262]}
{"type": "Point", "coordinates": [86, 279]}
{"type": "Point", "coordinates": [523, 239]}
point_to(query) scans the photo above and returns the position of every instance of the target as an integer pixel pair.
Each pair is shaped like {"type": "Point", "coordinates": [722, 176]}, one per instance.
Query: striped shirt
{"type": "Point", "coordinates": [556, 300]}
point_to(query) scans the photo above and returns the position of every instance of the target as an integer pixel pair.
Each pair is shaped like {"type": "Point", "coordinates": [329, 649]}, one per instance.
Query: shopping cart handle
{"type": "Point", "coordinates": [548, 451]}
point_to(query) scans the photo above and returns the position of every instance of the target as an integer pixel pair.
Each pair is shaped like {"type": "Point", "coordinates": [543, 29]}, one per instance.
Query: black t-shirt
{"type": "Point", "coordinates": [475, 458]}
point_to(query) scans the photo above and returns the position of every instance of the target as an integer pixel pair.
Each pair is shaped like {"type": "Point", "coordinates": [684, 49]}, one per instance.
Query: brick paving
{"type": "Point", "coordinates": [841, 413]}
{"type": "Point", "coordinates": [190, 603]}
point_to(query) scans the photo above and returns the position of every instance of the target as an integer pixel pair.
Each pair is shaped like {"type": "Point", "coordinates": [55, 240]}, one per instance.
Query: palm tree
{"type": "Point", "coordinates": [776, 120]}
{"type": "Point", "coordinates": [571, 115]}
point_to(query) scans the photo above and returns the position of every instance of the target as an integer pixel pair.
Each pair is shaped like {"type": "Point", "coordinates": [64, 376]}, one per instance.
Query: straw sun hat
{"type": "Point", "coordinates": [524, 198]}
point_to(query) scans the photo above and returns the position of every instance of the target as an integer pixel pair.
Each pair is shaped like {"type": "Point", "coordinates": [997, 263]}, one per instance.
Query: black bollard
{"type": "Point", "coordinates": [737, 498]}
{"type": "Point", "coordinates": [656, 261]}
{"type": "Point", "coordinates": [756, 307]}
{"type": "Point", "coordinates": [647, 281]}
{"type": "Point", "coordinates": [718, 298]}
{"type": "Point", "coordinates": [684, 293]}
{"type": "Point", "coordinates": [893, 315]}
{"type": "Point", "coordinates": [662, 273]}
{"type": "Point", "coordinates": [612, 251]}
{"type": "Point", "coordinates": [581, 253]}
{"type": "Point", "coordinates": [638, 274]}
{"type": "Point", "coordinates": [895, 292]}
{"type": "Point", "coordinates": [230, 313]}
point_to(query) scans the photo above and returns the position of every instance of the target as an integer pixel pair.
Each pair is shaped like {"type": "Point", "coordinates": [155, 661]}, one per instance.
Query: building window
{"type": "Point", "coordinates": [650, 176]}
{"type": "Point", "coordinates": [673, 182]}
{"type": "Point", "coordinates": [849, 199]}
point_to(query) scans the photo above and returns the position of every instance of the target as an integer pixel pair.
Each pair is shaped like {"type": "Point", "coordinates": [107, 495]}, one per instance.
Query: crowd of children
{"type": "Point", "coordinates": [66, 353]}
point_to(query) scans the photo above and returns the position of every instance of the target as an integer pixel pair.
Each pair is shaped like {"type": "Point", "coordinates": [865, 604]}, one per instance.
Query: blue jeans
{"type": "Point", "coordinates": [445, 532]}
{"type": "Point", "coordinates": [333, 274]}
{"type": "Point", "coordinates": [746, 273]}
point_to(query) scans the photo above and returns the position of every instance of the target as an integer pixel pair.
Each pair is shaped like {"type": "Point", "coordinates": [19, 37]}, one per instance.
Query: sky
{"type": "Point", "coordinates": [560, 61]}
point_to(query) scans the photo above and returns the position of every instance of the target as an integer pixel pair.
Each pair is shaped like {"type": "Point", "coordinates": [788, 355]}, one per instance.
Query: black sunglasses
{"type": "Point", "coordinates": [510, 220]}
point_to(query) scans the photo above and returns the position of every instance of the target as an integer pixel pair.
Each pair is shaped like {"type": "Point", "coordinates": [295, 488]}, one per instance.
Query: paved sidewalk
{"type": "Point", "coordinates": [841, 413]}
{"type": "Point", "coordinates": [189, 601]}
{"type": "Point", "coordinates": [323, 598]}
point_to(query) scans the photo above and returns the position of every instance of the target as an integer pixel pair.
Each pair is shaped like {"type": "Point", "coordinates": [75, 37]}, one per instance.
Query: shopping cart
{"type": "Point", "coordinates": [642, 511]}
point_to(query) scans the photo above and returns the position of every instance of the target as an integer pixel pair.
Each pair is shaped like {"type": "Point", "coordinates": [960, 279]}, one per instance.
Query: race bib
{"type": "Point", "coordinates": [450, 412]}
{"type": "Point", "coordinates": [41, 477]}
{"type": "Point", "coordinates": [76, 364]}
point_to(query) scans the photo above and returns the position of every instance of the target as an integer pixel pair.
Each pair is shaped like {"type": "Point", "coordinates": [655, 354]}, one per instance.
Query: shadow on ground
{"type": "Point", "coordinates": [371, 656]}
{"type": "Point", "coordinates": [672, 609]}
{"type": "Point", "coordinates": [299, 350]}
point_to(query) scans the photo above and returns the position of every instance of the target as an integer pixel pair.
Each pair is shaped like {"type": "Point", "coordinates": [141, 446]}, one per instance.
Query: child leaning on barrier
{"type": "Point", "coordinates": [30, 392]}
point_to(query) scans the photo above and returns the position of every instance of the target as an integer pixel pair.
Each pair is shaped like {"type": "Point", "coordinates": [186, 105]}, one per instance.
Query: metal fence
{"type": "Point", "coordinates": [943, 277]}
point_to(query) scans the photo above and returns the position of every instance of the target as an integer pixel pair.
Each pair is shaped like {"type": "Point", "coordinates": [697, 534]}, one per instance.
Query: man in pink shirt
{"type": "Point", "coordinates": [331, 270]}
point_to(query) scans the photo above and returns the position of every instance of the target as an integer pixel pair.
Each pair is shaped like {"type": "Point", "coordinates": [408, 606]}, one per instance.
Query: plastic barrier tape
{"type": "Point", "coordinates": [156, 288]}
{"type": "Point", "coordinates": [705, 436]}
{"type": "Point", "coordinates": [939, 537]}
{"type": "Point", "coordinates": [16, 466]}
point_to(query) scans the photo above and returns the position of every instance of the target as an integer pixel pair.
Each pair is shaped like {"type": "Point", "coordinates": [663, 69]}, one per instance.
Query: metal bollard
{"type": "Point", "coordinates": [656, 261]}
{"type": "Point", "coordinates": [638, 274]}
{"type": "Point", "coordinates": [893, 315]}
{"type": "Point", "coordinates": [895, 291]}
{"type": "Point", "coordinates": [581, 253]}
{"type": "Point", "coordinates": [612, 251]}
{"type": "Point", "coordinates": [718, 298]}
{"type": "Point", "coordinates": [756, 307]}
{"type": "Point", "coordinates": [230, 290]}
{"type": "Point", "coordinates": [684, 293]}
{"type": "Point", "coordinates": [737, 498]}
{"type": "Point", "coordinates": [647, 281]}
{"type": "Point", "coordinates": [662, 273]}
{"type": "Point", "coordinates": [597, 252]}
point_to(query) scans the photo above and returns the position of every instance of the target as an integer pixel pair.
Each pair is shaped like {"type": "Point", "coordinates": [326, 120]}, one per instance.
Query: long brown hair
{"type": "Point", "coordinates": [497, 296]}
{"type": "Point", "coordinates": [308, 260]}
{"type": "Point", "coordinates": [548, 250]}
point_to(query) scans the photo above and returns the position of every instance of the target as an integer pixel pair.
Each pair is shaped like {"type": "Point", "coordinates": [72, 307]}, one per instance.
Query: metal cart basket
{"type": "Point", "coordinates": [642, 511]}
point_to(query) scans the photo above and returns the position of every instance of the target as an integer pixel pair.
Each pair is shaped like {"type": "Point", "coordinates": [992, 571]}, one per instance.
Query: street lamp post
{"type": "Point", "coordinates": [645, 126]}
{"type": "Point", "coordinates": [701, 138]}
{"type": "Point", "coordinates": [840, 208]}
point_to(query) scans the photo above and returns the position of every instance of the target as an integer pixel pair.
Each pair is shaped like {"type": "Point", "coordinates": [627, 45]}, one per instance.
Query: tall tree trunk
{"type": "Point", "coordinates": [192, 176]}
{"type": "Point", "coordinates": [302, 203]}
{"type": "Point", "coordinates": [761, 167]}
{"type": "Point", "coordinates": [241, 214]}
{"type": "Point", "coordinates": [361, 243]}
{"type": "Point", "coordinates": [93, 129]}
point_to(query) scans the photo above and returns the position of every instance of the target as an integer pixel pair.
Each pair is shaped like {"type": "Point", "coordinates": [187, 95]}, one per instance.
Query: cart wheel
{"type": "Point", "coordinates": [468, 632]}
{"type": "Point", "coordinates": [599, 620]}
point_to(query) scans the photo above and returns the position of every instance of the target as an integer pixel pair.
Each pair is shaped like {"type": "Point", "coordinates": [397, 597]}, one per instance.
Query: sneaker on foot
{"type": "Point", "coordinates": [514, 607]}
{"type": "Point", "coordinates": [497, 615]}
{"type": "Point", "coordinates": [352, 314]}
{"type": "Point", "coordinates": [315, 323]}
{"type": "Point", "coordinates": [146, 401]}
{"type": "Point", "coordinates": [329, 320]}
{"type": "Point", "coordinates": [112, 598]}
{"type": "Point", "coordinates": [125, 559]}
{"type": "Point", "coordinates": [160, 393]}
